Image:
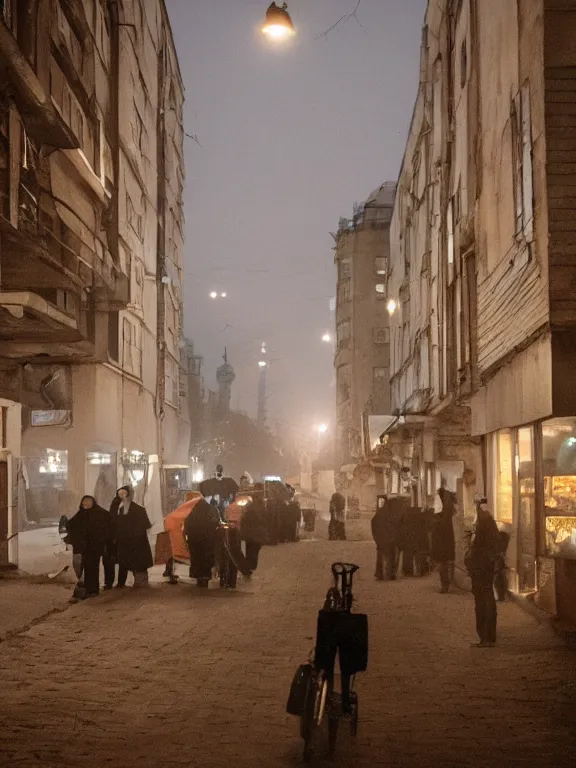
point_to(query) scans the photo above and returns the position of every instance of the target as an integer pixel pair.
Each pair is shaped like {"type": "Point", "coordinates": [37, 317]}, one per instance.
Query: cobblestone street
{"type": "Point", "coordinates": [175, 677]}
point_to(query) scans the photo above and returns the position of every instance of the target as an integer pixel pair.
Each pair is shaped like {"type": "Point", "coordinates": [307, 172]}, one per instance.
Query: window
{"type": "Point", "coordinates": [343, 384]}
{"type": "Point", "coordinates": [559, 465]}
{"type": "Point", "coordinates": [344, 292]}
{"type": "Point", "coordinates": [504, 491]}
{"type": "Point", "coordinates": [344, 269]}
{"type": "Point", "coordinates": [134, 219]}
{"type": "Point", "coordinates": [131, 348]}
{"type": "Point", "coordinates": [380, 290]}
{"type": "Point", "coordinates": [113, 336]}
{"type": "Point", "coordinates": [380, 265]}
{"type": "Point", "coordinates": [381, 335]}
{"type": "Point", "coordinates": [343, 333]}
{"type": "Point", "coordinates": [522, 164]}
{"type": "Point", "coordinates": [172, 382]}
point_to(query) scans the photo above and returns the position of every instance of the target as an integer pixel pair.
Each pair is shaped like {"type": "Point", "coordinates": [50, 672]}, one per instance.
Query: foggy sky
{"type": "Point", "coordinates": [290, 137]}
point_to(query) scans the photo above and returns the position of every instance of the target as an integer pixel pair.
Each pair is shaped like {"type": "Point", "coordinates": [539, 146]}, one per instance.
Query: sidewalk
{"type": "Point", "coordinates": [23, 603]}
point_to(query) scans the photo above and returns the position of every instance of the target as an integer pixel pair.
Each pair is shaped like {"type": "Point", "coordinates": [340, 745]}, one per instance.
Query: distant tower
{"type": "Point", "coordinates": [261, 418]}
{"type": "Point", "coordinates": [225, 377]}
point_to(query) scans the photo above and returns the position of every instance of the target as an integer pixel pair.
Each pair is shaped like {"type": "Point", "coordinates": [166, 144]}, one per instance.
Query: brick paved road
{"type": "Point", "coordinates": [181, 678]}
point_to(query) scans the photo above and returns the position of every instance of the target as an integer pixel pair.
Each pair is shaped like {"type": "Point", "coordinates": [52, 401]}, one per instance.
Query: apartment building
{"type": "Point", "coordinates": [482, 272]}
{"type": "Point", "coordinates": [91, 237]}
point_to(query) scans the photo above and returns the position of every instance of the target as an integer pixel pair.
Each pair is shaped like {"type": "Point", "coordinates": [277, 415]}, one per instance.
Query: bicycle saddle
{"type": "Point", "coordinates": [349, 568]}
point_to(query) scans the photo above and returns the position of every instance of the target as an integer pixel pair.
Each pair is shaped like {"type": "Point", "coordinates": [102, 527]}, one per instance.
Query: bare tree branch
{"type": "Point", "coordinates": [342, 21]}
{"type": "Point", "coordinates": [193, 137]}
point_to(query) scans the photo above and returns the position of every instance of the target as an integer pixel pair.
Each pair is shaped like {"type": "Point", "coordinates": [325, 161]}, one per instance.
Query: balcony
{"type": "Point", "coordinates": [31, 326]}
{"type": "Point", "coordinates": [42, 121]}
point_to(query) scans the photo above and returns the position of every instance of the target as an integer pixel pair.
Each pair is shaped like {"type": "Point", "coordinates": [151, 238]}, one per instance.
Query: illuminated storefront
{"type": "Point", "coordinates": [533, 494]}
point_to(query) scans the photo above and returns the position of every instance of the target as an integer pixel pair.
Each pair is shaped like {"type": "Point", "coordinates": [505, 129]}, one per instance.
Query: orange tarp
{"type": "Point", "coordinates": [173, 526]}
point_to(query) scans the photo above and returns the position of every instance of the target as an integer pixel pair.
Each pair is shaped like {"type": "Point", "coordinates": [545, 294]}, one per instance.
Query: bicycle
{"type": "Point", "coordinates": [341, 632]}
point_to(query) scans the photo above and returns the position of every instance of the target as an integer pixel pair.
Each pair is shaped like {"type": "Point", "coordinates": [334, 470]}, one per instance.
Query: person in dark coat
{"type": "Point", "coordinates": [201, 534]}
{"type": "Point", "coordinates": [485, 549]}
{"type": "Point", "coordinates": [89, 533]}
{"type": "Point", "coordinates": [501, 569]}
{"type": "Point", "coordinates": [337, 525]}
{"type": "Point", "coordinates": [254, 527]}
{"type": "Point", "coordinates": [413, 540]}
{"type": "Point", "coordinates": [131, 526]}
{"type": "Point", "coordinates": [443, 541]}
{"type": "Point", "coordinates": [386, 531]}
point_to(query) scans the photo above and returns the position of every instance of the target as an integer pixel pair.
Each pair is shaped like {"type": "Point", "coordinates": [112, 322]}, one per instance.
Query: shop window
{"type": "Point", "coordinates": [47, 496]}
{"type": "Point", "coordinates": [380, 265]}
{"type": "Point", "coordinates": [504, 489]}
{"type": "Point", "coordinates": [559, 471]}
{"type": "Point", "coordinates": [525, 466]}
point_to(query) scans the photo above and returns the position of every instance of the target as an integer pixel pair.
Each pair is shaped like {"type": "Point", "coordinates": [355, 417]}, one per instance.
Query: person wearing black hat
{"type": "Point", "coordinates": [89, 533]}
{"type": "Point", "coordinates": [131, 526]}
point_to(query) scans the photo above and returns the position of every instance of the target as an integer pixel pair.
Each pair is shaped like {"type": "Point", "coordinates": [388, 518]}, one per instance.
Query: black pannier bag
{"type": "Point", "coordinates": [346, 633]}
{"type": "Point", "coordinates": [299, 690]}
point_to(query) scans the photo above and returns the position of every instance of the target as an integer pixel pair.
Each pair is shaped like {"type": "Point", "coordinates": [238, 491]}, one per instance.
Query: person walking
{"type": "Point", "coordinates": [131, 526]}
{"type": "Point", "coordinates": [386, 532]}
{"type": "Point", "coordinates": [443, 541]}
{"type": "Point", "coordinates": [485, 549]}
{"type": "Point", "coordinates": [201, 534]}
{"type": "Point", "coordinates": [337, 525]}
{"type": "Point", "coordinates": [89, 532]}
{"type": "Point", "coordinates": [253, 526]}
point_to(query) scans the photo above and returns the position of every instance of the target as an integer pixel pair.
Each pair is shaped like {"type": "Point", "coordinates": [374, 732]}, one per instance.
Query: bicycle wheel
{"type": "Point", "coordinates": [314, 711]}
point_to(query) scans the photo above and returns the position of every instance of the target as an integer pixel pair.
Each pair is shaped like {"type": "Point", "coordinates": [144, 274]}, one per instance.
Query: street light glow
{"type": "Point", "coordinates": [278, 24]}
{"type": "Point", "coordinates": [327, 338]}
{"type": "Point", "coordinates": [391, 307]}
{"type": "Point", "coordinates": [223, 295]}
{"type": "Point", "coordinates": [323, 428]}
{"type": "Point", "coordinates": [262, 364]}
{"type": "Point", "coordinates": [213, 295]}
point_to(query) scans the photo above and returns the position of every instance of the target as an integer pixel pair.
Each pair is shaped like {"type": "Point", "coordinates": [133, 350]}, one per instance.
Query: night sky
{"type": "Point", "coordinates": [289, 138]}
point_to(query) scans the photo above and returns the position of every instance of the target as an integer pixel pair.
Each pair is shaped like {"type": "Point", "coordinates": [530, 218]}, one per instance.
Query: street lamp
{"type": "Point", "coordinates": [327, 338]}
{"type": "Point", "coordinates": [278, 24]}
{"type": "Point", "coordinates": [323, 428]}
{"type": "Point", "coordinates": [213, 295]}
{"type": "Point", "coordinates": [391, 307]}
{"type": "Point", "coordinates": [262, 364]}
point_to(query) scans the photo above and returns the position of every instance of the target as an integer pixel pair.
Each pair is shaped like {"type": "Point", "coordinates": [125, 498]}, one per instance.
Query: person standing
{"type": "Point", "coordinates": [131, 526]}
{"type": "Point", "coordinates": [443, 541]}
{"type": "Point", "coordinates": [337, 525]}
{"type": "Point", "coordinates": [253, 526]}
{"type": "Point", "coordinates": [201, 534]}
{"type": "Point", "coordinates": [89, 532]}
{"type": "Point", "coordinates": [485, 549]}
{"type": "Point", "coordinates": [386, 531]}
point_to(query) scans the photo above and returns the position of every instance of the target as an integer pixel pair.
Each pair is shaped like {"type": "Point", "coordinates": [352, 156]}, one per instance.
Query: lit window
{"type": "Point", "coordinates": [380, 265]}
{"type": "Point", "coordinates": [380, 289]}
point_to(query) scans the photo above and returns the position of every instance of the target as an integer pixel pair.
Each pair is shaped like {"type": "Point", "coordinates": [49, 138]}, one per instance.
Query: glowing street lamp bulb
{"type": "Point", "coordinates": [213, 295]}
{"type": "Point", "coordinates": [391, 307]}
{"type": "Point", "coordinates": [323, 428]}
{"type": "Point", "coordinates": [262, 364]}
{"type": "Point", "coordinates": [278, 24]}
{"type": "Point", "coordinates": [327, 338]}
{"type": "Point", "coordinates": [223, 295]}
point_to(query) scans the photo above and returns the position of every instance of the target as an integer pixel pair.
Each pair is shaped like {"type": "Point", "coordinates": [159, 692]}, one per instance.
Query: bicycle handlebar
{"type": "Point", "coordinates": [338, 569]}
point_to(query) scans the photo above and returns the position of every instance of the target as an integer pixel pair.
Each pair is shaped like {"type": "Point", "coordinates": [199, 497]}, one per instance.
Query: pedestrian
{"type": "Point", "coordinates": [501, 569]}
{"type": "Point", "coordinates": [411, 539]}
{"type": "Point", "coordinates": [201, 534]}
{"type": "Point", "coordinates": [337, 525]}
{"type": "Point", "coordinates": [485, 548]}
{"type": "Point", "coordinates": [443, 541]}
{"type": "Point", "coordinates": [131, 526]}
{"type": "Point", "coordinates": [89, 532]}
{"type": "Point", "coordinates": [253, 526]}
{"type": "Point", "coordinates": [386, 532]}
